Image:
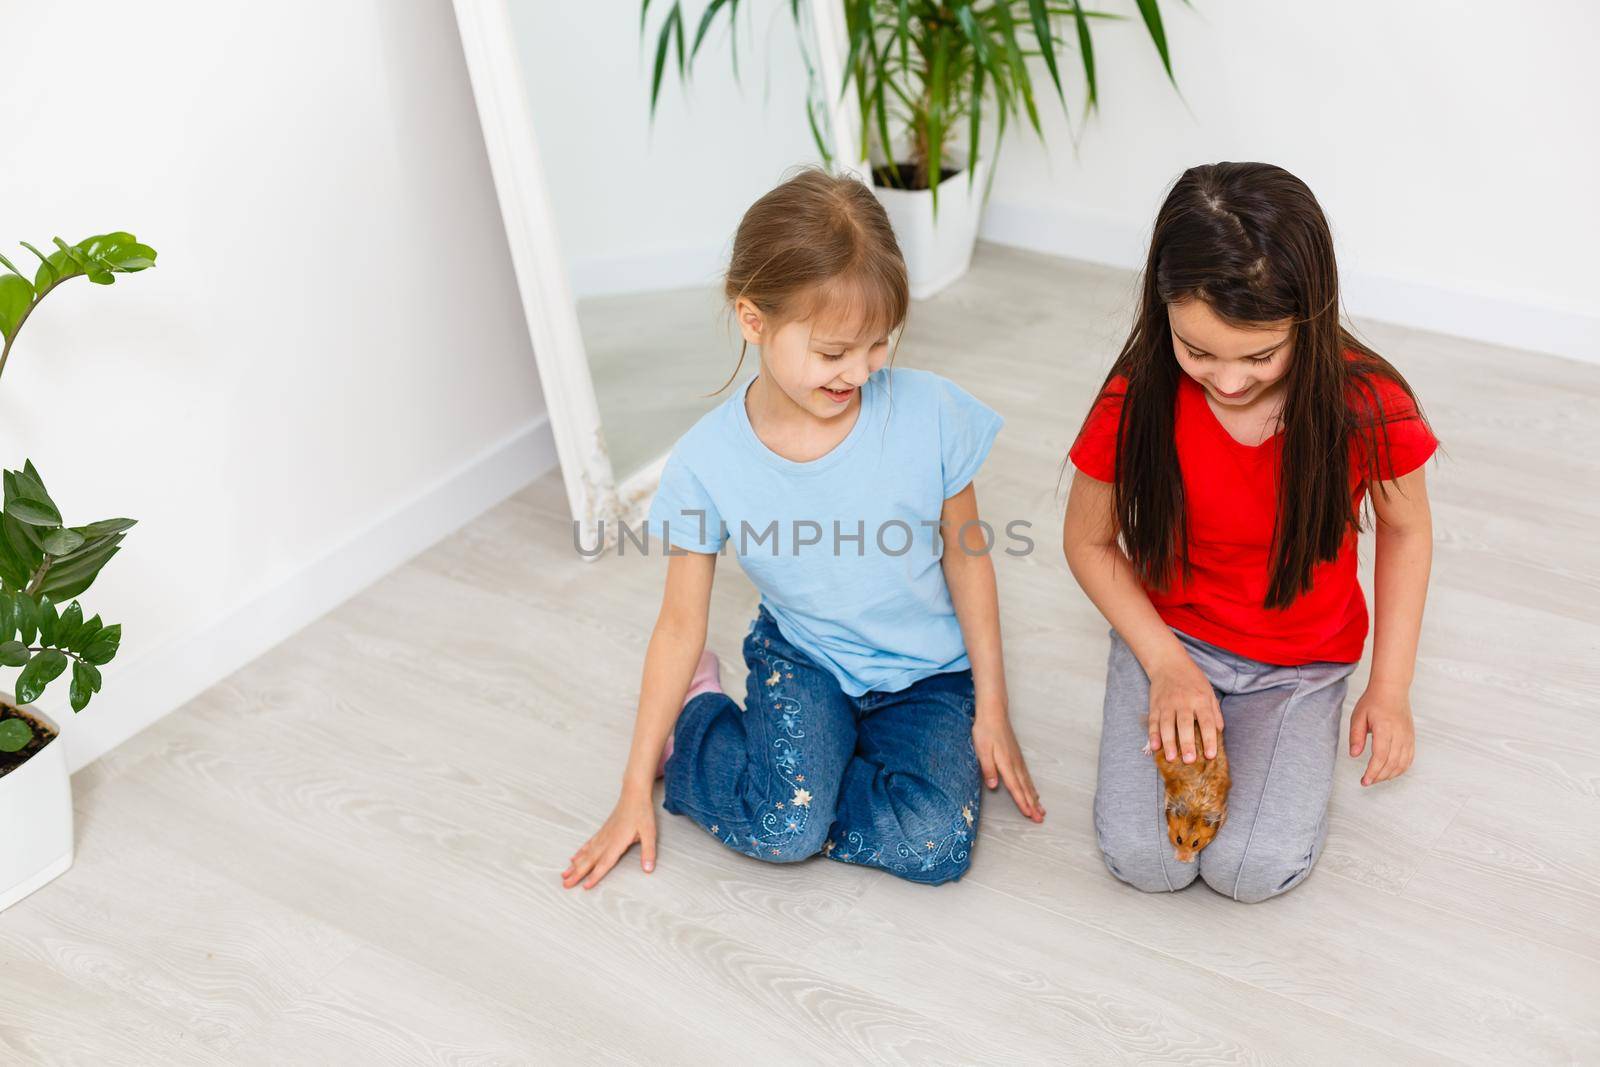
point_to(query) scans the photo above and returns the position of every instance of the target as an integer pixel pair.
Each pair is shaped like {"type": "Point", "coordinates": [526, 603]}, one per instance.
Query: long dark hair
{"type": "Point", "coordinates": [1251, 241]}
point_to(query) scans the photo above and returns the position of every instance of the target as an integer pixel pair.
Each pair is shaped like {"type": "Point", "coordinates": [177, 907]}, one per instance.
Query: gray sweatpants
{"type": "Point", "coordinates": [1281, 729]}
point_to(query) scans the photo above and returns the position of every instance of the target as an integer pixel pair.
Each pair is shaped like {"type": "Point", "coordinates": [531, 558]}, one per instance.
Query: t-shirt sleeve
{"type": "Point", "coordinates": [682, 512]}
{"type": "Point", "coordinates": [967, 429]}
{"type": "Point", "coordinates": [1095, 450]}
{"type": "Point", "coordinates": [1404, 440]}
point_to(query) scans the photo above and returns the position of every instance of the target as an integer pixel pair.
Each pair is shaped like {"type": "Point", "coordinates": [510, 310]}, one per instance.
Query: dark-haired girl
{"type": "Point", "coordinates": [1213, 520]}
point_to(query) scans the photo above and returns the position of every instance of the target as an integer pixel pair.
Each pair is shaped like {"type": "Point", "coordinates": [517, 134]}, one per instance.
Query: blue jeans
{"type": "Point", "coordinates": [884, 780]}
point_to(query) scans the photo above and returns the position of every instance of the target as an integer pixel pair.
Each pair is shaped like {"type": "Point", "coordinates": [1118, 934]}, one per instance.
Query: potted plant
{"type": "Point", "coordinates": [923, 70]}
{"type": "Point", "coordinates": [44, 564]}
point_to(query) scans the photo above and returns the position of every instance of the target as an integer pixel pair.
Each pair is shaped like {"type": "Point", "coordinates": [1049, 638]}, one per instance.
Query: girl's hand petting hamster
{"type": "Point", "coordinates": [1385, 713]}
{"type": "Point", "coordinates": [633, 819]}
{"type": "Point", "coordinates": [1000, 757]}
{"type": "Point", "coordinates": [1181, 697]}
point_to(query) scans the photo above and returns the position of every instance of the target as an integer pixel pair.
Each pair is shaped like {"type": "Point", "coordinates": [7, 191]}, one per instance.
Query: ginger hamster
{"type": "Point", "coordinates": [1197, 800]}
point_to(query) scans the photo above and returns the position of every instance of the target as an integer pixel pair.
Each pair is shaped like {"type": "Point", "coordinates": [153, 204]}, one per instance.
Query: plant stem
{"type": "Point", "coordinates": [38, 576]}
{"type": "Point", "coordinates": [5, 352]}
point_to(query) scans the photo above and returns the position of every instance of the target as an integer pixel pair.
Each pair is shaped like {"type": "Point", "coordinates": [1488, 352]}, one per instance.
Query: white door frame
{"type": "Point", "coordinates": [594, 496]}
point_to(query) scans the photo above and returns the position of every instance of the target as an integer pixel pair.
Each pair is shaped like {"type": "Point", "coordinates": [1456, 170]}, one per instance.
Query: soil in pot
{"type": "Point", "coordinates": [42, 736]}
{"type": "Point", "coordinates": [884, 177]}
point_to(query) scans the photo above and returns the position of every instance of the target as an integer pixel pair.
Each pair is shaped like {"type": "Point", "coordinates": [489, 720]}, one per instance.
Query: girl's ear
{"type": "Point", "coordinates": [751, 321]}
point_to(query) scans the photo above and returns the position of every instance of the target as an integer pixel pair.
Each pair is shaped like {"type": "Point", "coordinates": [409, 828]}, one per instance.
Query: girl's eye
{"type": "Point", "coordinates": [833, 355]}
{"type": "Point", "coordinates": [1258, 360]}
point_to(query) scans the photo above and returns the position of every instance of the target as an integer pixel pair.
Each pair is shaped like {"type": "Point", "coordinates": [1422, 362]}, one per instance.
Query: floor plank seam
{"type": "Point", "coordinates": [1341, 1020]}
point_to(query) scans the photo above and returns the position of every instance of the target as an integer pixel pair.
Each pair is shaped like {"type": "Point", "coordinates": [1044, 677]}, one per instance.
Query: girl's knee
{"type": "Point", "coordinates": [1135, 851]}
{"type": "Point", "coordinates": [1145, 875]}
{"type": "Point", "coordinates": [930, 848]}
{"type": "Point", "coordinates": [947, 869]}
{"type": "Point", "coordinates": [786, 845]}
{"type": "Point", "coordinates": [1137, 858]}
{"type": "Point", "coordinates": [1260, 871]}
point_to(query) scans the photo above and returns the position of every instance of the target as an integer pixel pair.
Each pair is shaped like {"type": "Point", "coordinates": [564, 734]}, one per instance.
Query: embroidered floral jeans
{"type": "Point", "coordinates": [884, 780]}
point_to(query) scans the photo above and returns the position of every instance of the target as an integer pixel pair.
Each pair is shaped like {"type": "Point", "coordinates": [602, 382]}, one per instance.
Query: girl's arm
{"type": "Point", "coordinates": [1400, 580]}
{"type": "Point", "coordinates": [1180, 693]}
{"type": "Point", "coordinates": [669, 663]}
{"type": "Point", "coordinates": [969, 572]}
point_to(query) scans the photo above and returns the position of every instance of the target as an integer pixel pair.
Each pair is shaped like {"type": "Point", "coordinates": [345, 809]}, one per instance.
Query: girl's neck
{"type": "Point", "coordinates": [789, 429]}
{"type": "Point", "coordinates": [1255, 423]}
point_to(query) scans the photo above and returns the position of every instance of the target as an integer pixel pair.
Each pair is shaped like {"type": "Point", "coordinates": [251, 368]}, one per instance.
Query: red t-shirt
{"type": "Point", "coordinates": [1230, 492]}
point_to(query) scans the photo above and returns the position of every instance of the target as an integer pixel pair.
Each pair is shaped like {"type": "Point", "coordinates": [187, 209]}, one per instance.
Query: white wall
{"type": "Point", "coordinates": [328, 369]}
{"type": "Point", "coordinates": [1454, 144]}
{"type": "Point", "coordinates": [642, 205]}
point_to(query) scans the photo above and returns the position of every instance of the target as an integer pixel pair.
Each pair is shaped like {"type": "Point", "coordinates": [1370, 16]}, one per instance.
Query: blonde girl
{"type": "Point", "coordinates": [875, 699]}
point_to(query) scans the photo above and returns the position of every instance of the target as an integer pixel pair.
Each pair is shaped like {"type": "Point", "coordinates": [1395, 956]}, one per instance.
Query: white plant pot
{"type": "Point", "coordinates": [937, 253]}
{"type": "Point", "coordinates": [35, 819]}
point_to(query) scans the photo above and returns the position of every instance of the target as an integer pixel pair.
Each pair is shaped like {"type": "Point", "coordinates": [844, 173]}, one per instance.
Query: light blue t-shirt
{"type": "Point", "coordinates": [843, 548]}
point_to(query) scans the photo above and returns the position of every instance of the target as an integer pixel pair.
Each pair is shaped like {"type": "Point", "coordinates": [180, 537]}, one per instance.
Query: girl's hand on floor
{"type": "Point", "coordinates": [1385, 713]}
{"type": "Point", "coordinates": [1000, 757]}
{"type": "Point", "coordinates": [1181, 697]}
{"type": "Point", "coordinates": [633, 819]}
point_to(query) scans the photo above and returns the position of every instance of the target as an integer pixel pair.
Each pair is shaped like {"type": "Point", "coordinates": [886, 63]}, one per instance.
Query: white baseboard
{"type": "Point", "coordinates": [1476, 316]}
{"type": "Point", "coordinates": [164, 678]}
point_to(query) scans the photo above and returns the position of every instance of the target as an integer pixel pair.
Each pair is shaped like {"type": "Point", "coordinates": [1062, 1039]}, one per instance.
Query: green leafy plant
{"type": "Point", "coordinates": [43, 562]}
{"type": "Point", "coordinates": [928, 67]}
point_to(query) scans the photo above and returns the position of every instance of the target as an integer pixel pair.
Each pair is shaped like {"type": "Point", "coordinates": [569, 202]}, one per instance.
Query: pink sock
{"type": "Point", "coordinates": [707, 679]}
{"type": "Point", "coordinates": [707, 676]}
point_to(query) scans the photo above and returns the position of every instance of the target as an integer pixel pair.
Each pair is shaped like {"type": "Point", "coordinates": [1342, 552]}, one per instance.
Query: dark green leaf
{"type": "Point", "coordinates": [70, 579]}
{"type": "Point", "coordinates": [1086, 52]}
{"type": "Point", "coordinates": [104, 528]}
{"type": "Point", "coordinates": [27, 617]}
{"type": "Point", "coordinates": [89, 673]}
{"type": "Point", "coordinates": [47, 621]}
{"type": "Point", "coordinates": [14, 654]}
{"type": "Point", "coordinates": [91, 630]}
{"type": "Point", "coordinates": [78, 694]}
{"type": "Point", "coordinates": [62, 542]}
{"type": "Point", "coordinates": [25, 486]}
{"type": "Point", "coordinates": [14, 735]}
{"type": "Point", "coordinates": [104, 648]}
{"type": "Point", "coordinates": [43, 669]}
{"type": "Point", "coordinates": [1047, 44]}
{"type": "Point", "coordinates": [33, 512]}
{"type": "Point", "coordinates": [32, 482]}
{"type": "Point", "coordinates": [662, 44]}
{"type": "Point", "coordinates": [974, 121]}
{"type": "Point", "coordinates": [1152, 21]}
{"type": "Point", "coordinates": [19, 556]}
{"type": "Point", "coordinates": [69, 627]}
{"type": "Point", "coordinates": [705, 25]}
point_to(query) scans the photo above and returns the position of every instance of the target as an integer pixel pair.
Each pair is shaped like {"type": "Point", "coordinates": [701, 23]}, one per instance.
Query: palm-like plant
{"type": "Point", "coordinates": [44, 562]}
{"type": "Point", "coordinates": [928, 67]}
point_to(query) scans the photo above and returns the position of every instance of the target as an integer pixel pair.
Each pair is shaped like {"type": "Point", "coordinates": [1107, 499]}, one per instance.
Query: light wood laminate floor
{"type": "Point", "coordinates": [348, 852]}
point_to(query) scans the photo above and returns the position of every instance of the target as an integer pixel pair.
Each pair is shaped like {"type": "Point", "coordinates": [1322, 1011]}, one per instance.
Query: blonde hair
{"type": "Point", "coordinates": [817, 241]}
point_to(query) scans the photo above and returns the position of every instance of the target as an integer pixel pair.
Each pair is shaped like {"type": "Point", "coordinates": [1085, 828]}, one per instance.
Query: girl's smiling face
{"type": "Point", "coordinates": [819, 363]}
{"type": "Point", "coordinates": [1236, 365]}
